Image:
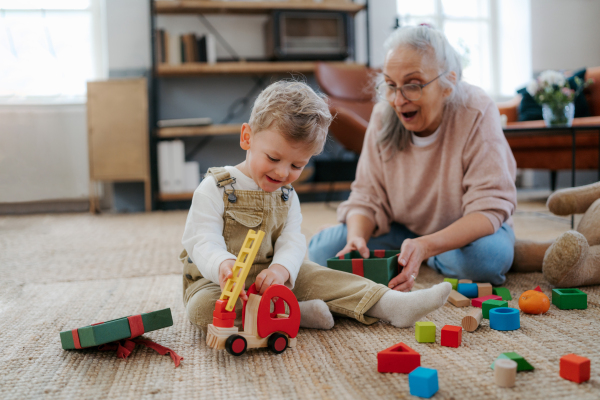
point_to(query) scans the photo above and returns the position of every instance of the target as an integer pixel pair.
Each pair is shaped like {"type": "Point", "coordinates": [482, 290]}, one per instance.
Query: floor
{"type": "Point", "coordinates": [64, 271]}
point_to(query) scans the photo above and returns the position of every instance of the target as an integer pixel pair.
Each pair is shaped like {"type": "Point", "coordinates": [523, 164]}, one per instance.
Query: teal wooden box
{"type": "Point", "coordinates": [569, 299]}
{"type": "Point", "coordinates": [117, 329]}
{"type": "Point", "coordinates": [378, 269]}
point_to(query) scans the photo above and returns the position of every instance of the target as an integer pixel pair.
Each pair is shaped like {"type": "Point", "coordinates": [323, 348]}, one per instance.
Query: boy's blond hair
{"type": "Point", "coordinates": [295, 110]}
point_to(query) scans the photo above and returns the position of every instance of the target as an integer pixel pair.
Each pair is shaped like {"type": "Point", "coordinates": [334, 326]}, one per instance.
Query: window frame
{"type": "Point", "coordinates": [493, 37]}
{"type": "Point", "coordinates": [99, 53]}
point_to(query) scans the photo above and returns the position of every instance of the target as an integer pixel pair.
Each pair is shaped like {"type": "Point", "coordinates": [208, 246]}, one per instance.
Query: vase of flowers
{"type": "Point", "coordinates": [554, 94]}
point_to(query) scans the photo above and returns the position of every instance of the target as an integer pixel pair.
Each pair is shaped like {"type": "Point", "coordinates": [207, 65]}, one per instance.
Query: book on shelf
{"type": "Point", "coordinates": [175, 175]}
{"type": "Point", "coordinates": [191, 176]}
{"type": "Point", "coordinates": [169, 123]}
{"type": "Point", "coordinates": [186, 48]}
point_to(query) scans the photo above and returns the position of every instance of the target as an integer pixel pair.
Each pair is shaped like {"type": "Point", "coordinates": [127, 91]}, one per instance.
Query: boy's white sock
{"type": "Point", "coordinates": [315, 314]}
{"type": "Point", "coordinates": [404, 309]}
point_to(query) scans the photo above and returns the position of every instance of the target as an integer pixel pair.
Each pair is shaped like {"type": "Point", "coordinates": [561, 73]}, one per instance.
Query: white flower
{"type": "Point", "coordinates": [532, 88]}
{"type": "Point", "coordinates": [549, 78]}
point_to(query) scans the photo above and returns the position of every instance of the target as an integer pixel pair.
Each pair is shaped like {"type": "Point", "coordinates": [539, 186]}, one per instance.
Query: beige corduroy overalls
{"type": "Point", "coordinates": [345, 294]}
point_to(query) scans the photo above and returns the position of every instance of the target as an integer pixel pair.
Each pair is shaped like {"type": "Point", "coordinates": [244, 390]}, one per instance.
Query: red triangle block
{"type": "Point", "coordinates": [539, 289]}
{"type": "Point", "coordinates": [399, 358]}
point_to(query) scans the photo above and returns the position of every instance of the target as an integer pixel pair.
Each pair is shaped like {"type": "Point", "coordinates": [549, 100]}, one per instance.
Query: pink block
{"type": "Point", "coordinates": [478, 301]}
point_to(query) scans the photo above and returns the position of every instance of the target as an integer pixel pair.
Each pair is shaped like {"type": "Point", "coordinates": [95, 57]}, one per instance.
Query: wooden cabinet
{"type": "Point", "coordinates": [117, 119]}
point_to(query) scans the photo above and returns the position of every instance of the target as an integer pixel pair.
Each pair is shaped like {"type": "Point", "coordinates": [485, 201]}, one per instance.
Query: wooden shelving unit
{"type": "Point", "coordinates": [160, 71]}
{"type": "Point", "coordinates": [242, 67]}
{"type": "Point", "coordinates": [301, 188]}
{"type": "Point", "coordinates": [189, 131]}
{"type": "Point", "coordinates": [250, 7]}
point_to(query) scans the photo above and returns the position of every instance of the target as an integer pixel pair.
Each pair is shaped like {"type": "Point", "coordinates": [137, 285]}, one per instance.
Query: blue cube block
{"type": "Point", "coordinates": [505, 319]}
{"type": "Point", "coordinates": [423, 382]}
{"type": "Point", "coordinates": [469, 290]}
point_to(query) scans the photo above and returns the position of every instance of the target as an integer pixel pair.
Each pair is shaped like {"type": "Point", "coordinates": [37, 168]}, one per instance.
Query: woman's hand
{"type": "Point", "coordinates": [357, 243]}
{"type": "Point", "coordinates": [225, 273]}
{"type": "Point", "coordinates": [412, 254]}
{"type": "Point", "coordinates": [276, 274]}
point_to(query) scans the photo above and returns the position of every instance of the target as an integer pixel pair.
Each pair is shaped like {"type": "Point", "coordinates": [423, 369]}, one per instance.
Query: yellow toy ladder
{"type": "Point", "coordinates": [240, 270]}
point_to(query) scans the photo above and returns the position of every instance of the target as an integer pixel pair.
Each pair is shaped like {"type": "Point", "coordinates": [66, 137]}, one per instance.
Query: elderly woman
{"type": "Point", "coordinates": [436, 176]}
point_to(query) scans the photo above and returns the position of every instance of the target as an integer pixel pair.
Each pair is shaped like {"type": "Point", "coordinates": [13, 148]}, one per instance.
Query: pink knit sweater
{"type": "Point", "coordinates": [469, 168]}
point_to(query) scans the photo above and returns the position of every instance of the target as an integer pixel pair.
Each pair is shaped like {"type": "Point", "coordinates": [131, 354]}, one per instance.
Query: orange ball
{"type": "Point", "coordinates": [534, 302]}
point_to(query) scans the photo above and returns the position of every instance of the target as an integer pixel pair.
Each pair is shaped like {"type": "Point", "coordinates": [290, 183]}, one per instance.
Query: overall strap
{"type": "Point", "coordinates": [221, 175]}
{"type": "Point", "coordinates": [223, 179]}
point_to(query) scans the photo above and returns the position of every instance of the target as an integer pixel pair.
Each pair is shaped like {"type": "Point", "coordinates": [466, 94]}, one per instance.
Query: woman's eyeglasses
{"type": "Point", "coordinates": [410, 91]}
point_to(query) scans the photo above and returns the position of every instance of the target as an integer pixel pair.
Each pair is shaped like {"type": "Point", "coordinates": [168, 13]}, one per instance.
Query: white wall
{"type": "Point", "coordinates": [43, 153]}
{"type": "Point", "coordinates": [565, 34]}
{"type": "Point", "coordinates": [127, 31]}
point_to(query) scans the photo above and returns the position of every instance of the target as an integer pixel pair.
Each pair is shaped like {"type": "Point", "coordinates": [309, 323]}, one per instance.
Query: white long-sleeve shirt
{"type": "Point", "coordinates": [203, 235]}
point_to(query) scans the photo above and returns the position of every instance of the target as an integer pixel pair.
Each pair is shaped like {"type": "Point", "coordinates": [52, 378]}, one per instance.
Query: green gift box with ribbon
{"type": "Point", "coordinates": [380, 267]}
{"type": "Point", "coordinates": [117, 329]}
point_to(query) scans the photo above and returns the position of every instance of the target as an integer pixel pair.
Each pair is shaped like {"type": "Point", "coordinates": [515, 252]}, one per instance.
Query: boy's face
{"type": "Point", "coordinates": [271, 160]}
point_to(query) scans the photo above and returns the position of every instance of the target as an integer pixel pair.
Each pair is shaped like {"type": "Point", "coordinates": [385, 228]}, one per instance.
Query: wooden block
{"type": "Point", "coordinates": [484, 289]}
{"type": "Point", "coordinates": [425, 332]}
{"type": "Point", "coordinates": [453, 282]}
{"type": "Point", "coordinates": [522, 364]}
{"type": "Point", "coordinates": [504, 292]}
{"type": "Point", "coordinates": [472, 320]}
{"type": "Point", "coordinates": [458, 299]}
{"type": "Point", "coordinates": [479, 301]}
{"type": "Point", "coordinates": [451, 336]}
{"type": "Point", "coordinates": [505, 372]}
{"type": "Point", "coordinates": [575, 368]}
{"type": "Point", "coordinates": [569, 299]}
{"type": "Point", "coordinates": [468, 289]}
{"type": "Point", "coordinates": [489, 304]}
{"type": "Point", "coordinates": [399, 358]}
{"type": "Point", "coordinates": [538, 289]}
{"type": "Point", "coordinates": [423, 382]}
{"type": "Point", "coordinates": [465, 281]}
{"type": "Point", "coordinates": [505, 319]}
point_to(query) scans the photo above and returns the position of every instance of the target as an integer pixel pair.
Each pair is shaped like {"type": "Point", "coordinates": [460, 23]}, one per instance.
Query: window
{"type": "Point", "coordinates": [496, 55]}
{"type": "Point", "coordinates": [48, 49]}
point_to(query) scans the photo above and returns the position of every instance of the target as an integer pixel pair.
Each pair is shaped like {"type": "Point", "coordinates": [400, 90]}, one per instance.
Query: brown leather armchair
{"type": "Point", "coordinates": [351, 91]}
{"type": "Point", "coordinates": [554, 152]}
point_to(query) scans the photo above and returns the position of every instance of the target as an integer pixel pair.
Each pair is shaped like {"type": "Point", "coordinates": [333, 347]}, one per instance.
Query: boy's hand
{"type": "Point", "coordinates": [276, 274]}
{"type": "Point", "coordinates": [225, 273]}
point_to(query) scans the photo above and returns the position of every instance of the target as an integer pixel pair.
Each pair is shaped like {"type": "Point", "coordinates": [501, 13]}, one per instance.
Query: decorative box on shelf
{"type": "Point", "coordinates": [380, 267]}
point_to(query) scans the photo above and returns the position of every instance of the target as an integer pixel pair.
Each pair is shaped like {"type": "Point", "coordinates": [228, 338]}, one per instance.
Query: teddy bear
{"type": "Point", "coordinates": [573, 259]}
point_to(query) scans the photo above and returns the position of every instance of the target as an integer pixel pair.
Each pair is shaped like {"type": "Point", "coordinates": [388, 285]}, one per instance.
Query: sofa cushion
{"type": "Point", "coordinates": [530, 110]}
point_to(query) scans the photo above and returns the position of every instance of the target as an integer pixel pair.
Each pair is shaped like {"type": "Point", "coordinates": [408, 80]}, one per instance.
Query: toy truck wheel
{"type": "Point", "coordinates": [278, 343]}
{"type": "Point", "coordinates": [236, 345]}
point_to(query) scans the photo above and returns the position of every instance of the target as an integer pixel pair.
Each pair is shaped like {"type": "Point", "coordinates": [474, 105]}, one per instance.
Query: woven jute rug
{"type": "Point", "coordinates": [60, 272]}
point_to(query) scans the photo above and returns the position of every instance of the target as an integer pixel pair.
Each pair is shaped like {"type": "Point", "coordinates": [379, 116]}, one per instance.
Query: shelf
{"type": "Point", "coordinates": [209, 130]}
{"type": "Point", "coordinates": [301, 188]}
{"type": "Point", "coordinates": [241, 67]}
{"type": "Point", "coordinates": [250, 7]}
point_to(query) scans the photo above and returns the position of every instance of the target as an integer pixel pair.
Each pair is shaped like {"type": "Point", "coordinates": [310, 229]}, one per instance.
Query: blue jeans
{"type": "Point", "coordinates": [487, 259]}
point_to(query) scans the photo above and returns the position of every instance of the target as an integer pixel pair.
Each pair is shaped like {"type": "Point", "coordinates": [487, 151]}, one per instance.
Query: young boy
{"type": "Point", "coordinates": [288, 125]}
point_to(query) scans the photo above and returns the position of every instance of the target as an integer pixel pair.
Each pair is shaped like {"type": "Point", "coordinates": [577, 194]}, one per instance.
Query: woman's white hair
{"type": "Point", "coordinates": [426, 40]}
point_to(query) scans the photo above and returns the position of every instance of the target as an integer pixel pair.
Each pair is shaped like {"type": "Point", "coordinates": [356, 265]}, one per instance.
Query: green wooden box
{"type": "Point", "coordinates": [380, 267]}
{"type": "Point", "coordinates": [569, 299]}
{"type": "Point", "coordinates": [117, 329]}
